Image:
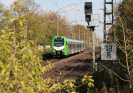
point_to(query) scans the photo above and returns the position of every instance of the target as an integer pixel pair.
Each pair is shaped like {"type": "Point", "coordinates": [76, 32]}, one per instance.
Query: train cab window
{"type": "Point", "coordinates": [58, 42]}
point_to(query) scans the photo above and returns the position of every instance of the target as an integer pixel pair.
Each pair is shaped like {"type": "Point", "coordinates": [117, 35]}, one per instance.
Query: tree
{"type": "Point", "coordinates": [2, 14]}
{"type": "Point", "coordinates": [20, 69]}
{"type": "Point", "coordinates": [123, 29]}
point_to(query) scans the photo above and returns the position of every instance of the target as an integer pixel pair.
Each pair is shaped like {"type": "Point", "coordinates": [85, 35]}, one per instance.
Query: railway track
{"type": "Point", "coordinates": [66, 73]}
{"type": "Point", "coordinates": [54, 60]}
{"type": "Point", "coordinates": [58, 72]}
{"type": "Point", "coordinates": [50, 60]}
{"type": "Point", "coordinates": [69, 68]}
{"type": "Point", "coordinates": [61, 67]}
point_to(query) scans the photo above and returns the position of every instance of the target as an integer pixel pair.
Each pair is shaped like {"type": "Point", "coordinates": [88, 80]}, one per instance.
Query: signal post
{"type": "Point", "coordinates": [92, 28]}
{"type": "Point", "coordinates": [88, 12]}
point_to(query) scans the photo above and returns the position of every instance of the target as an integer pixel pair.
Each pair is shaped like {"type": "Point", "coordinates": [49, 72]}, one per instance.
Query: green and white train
{"type": "Point", "coordinates": [62, 46]}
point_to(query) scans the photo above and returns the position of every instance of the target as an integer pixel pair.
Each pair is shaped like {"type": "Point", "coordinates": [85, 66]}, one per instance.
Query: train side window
{"type": "Point", "coordinates": [74, 45]}
{"type": "Point", "coordinates": [70, 46]}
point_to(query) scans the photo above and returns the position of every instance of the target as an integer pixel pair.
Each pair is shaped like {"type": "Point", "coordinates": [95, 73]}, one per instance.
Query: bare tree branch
{"type": "Point", "coordinates": [114, 73]}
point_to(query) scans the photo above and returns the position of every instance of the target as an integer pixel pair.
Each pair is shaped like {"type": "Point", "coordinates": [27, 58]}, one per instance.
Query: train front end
{"type": "Point", "coordinates": [59, 46]}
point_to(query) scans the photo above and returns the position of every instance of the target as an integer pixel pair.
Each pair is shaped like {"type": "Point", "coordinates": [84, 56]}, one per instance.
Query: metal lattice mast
{"type": "Point", "coordinates": [108, 13]}
{"type": "Point", "coordinates": [111, 23]}
{"type": "Point", "coordinates": [104, 22]}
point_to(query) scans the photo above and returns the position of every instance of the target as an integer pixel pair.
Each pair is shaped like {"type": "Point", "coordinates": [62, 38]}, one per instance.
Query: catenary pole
{"type": "Point", "coordinates": [79, 33]}
{"type": "Point", "coordinates": [93, 36]}
{"type": "Point", "coordinates": [57, 25]}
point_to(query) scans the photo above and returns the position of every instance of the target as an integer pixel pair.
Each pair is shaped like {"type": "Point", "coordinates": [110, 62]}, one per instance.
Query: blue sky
{"type": "Point", "coordinates": [73, 10]}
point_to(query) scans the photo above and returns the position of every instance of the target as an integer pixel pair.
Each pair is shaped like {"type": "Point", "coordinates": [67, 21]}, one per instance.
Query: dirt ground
{"type": "Point", "coordinates": [78, 65]}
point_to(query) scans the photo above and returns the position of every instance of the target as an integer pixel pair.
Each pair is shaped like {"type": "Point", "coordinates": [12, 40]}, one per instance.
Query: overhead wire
{"type": "Point", "coordinates": [66, 6]}
{"type": "Point", "coordinates": [70, 5]}
{"type": "Point", "coordinates": [58, 9]}
{"type": "Point", "coordinates": [97, 28]}
{"type": "Point", "coordinates": [76, 8]}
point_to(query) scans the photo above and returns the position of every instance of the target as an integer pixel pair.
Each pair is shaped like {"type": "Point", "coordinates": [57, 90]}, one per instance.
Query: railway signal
{"type": "Point", "coordinates": [88, 11]}
{"type": "Point", "coordinates": [88, 7]}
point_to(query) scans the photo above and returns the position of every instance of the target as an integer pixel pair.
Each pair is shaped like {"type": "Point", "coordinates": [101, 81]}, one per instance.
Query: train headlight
{"type": "Point", "coordinates": [63, 52]}
{"type": "Point", "coordinates": [53, 52]}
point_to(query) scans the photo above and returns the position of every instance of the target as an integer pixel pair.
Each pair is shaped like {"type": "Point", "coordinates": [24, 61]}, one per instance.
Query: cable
{"type": "Point", "coordinates": [65, 7]}
{"type": "Point", "coordinates": [70, 5]}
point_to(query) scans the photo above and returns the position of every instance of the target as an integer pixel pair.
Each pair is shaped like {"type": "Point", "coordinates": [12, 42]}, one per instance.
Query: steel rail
{"type": "Point", "coordinates": [70, 70]}
{"type": "Point", "coordinates": [62, 66]}
{"type": "Point", "coordinates": [51, 61]}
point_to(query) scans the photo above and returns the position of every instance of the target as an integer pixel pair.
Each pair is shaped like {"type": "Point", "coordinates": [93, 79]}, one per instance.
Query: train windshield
{"type": "Point", "coordinates": [58, 42]}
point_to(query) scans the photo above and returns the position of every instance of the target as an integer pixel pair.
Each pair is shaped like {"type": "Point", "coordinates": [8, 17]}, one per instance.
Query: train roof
{"type": "Point", "coordinates": [70, 39]}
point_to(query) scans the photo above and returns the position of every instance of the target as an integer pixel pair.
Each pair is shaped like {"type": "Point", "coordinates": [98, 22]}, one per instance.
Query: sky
{"type": "Point", "coordinates": [74, 11]}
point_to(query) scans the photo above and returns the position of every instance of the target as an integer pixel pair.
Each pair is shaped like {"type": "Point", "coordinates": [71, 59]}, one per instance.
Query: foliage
{"type": "Point", "coordinates": [85, 84]}
{"type": "Point", "coordinates": [124, 25]}
{"type": "Point", "coordinates": [2, 12]}
{"type": "Point", "coordinates": [82, 29]}
{"type": "Point", "coordinates": [81, 85]}
{"type": "Point", "coordinates": [20, 69]}
{"type": "Point", "coordinates": [100, 77]}
{"type": "Point", "coordinates": [123, 31]}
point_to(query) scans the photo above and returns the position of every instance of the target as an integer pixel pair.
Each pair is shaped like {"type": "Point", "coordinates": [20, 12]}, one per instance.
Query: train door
{"type": "Point", "coordinates": [73, 48]}
{"type": "Point", "coordinates": [81, 46]}
{"type": "Point", "coordinates": [67, 44]}
{"type": "Point", "coordinates": [76, 46]}
{"type": "Point", "coordinates": [70, 47]}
